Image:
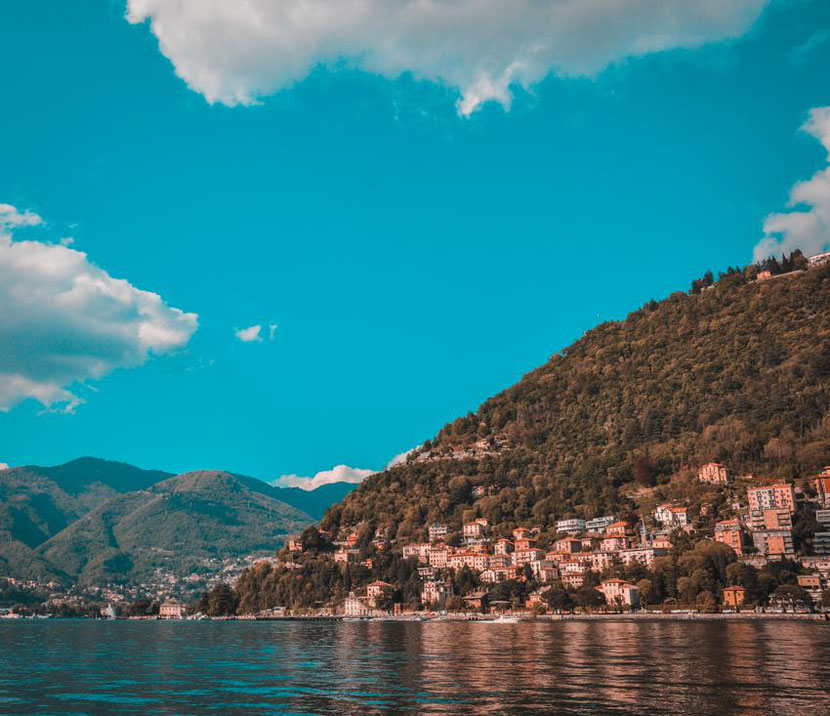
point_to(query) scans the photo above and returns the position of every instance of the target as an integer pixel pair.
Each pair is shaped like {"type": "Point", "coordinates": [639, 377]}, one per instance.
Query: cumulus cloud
{"type": "Point", "coordinates": [4, 466]}
{"type": "Point", "coordinates": [253, 334]}
{"type": "Point", "coordinates": [65, 321]}
{"type": "Point", "coordinates": [238, 52]}
{"type": "Point", "coordinates": [400, 458]}
{"type": "Point", "coordinates": [339, 473]}
{"type": "Point", "coordinates": [250, 334]}
{"type": "Point", "coordinates": [807, 228]}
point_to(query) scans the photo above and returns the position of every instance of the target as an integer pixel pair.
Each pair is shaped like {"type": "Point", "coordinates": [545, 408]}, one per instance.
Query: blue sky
{"type": "Point", "coordinates": [415, 261]}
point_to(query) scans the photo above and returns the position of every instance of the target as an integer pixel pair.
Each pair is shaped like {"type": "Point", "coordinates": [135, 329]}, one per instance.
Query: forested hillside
{"type": "Point", "coordinates": [737, 370]}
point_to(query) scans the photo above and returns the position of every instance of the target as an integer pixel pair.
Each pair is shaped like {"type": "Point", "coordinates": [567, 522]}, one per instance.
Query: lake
{"type": "Point", "coordinates": [585, 667]}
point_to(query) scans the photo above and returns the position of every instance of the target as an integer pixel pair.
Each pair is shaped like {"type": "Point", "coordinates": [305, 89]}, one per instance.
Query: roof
{"type": "Point", "coordinates": [734, 588]}
{"type": "Point", "coordinates": [380, 583]}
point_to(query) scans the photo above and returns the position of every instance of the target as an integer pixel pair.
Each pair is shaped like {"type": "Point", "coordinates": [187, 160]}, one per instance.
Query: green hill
{"type": "Point", "coordinates": [173, 525]}
{"type": "Point", "coordinates": [315, 502]}
{"type": "Point", "coordinates": [738, 371]}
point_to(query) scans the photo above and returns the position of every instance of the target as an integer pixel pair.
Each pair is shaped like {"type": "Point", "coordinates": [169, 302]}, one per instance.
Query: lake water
{"type": "Point", "coordinates": [60, 667]}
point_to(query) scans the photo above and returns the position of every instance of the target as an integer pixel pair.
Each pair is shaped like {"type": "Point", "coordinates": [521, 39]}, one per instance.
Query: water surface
{"type": "Point", "coordinates": [55, 667]}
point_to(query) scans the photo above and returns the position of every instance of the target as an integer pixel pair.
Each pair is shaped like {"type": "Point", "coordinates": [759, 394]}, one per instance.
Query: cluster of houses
{"type": "Point", "coordinates": [762, 531]}
{"type": "Point", "coordinates": [581, 545]}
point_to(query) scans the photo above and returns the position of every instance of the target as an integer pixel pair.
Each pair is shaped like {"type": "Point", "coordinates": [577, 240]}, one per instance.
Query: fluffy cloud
{"type": "Point", "coordinates": [236, 52]}
{"type": "Point", "coordinates": [400, 458]}
{"type": "Point", "coordinates": [65, 321]}
{"type": "Point", "coordinates": [253, 334]}
{"type": "Point", "coordinates": [339, 473]}
{"type": "Point", "coordinates": [4, 466]}
{"type": "Point", "coordinates": [807, 229]}
{"type": "Point", "coordinates": [249, 335]}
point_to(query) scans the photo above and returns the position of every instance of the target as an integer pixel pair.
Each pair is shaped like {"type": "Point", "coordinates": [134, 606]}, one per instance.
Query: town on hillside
{"type": "Point", "coordinates": [765, 547]}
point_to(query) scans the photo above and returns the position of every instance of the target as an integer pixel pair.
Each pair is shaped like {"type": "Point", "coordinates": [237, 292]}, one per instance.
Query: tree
{"type": "Point", "coordinates": [589, 597]}
{"type": "Point", "coordinates": [645, 590]}
{"type": "Point", "coordinates": [222, 601]}
{"type": "Point", "coordinates": [644, 471]}
{"type": "Point", "coordinates": [558, 598]}
{"type": "Point", "coordinates": [789, 596]}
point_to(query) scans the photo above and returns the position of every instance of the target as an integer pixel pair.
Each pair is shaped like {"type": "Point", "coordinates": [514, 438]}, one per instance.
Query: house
{"type": "Point", "coordinates": [343, 556]}
{"type": "Point", "coordinates": [770, 519]}
{"type": "Point", "coordinates": [435, 592]}
{"type": "Point", "coordinates": [526, 556]}
{"type": "Point", "coordinates": [671, 517]}
{"type": "Point", "coordinates": [494, 575]}
{"type": "Point", "coordinates": [568, 545]}
{"type": "Point", "coordinates": [600, 561]}
{"type": "Point", "coordinates": [763, 275]}
{"type": "Point", "coordinates": [473, 560]}
{"type": "Point", "coordinates": [419, 550]}
{"type": "Point", "coordinates": [620, 593]}
{"type": "Point", "coordinates": [522, 533]}
{"type": "Point", "coordinates": [819, 259]}
{"type": "Point", "coordinates": [294, 544]}
{"type": "Point", "coordinates": [772, 497]}
{"type": "Point", "coordinates": [822, 483]}
{"type": "Point", "coordinates": [535, 599]}
{"type": "Point", "coordinates": [375, 591]}
{"type": "Point", "coordinates": [598, 524]}
{"type": "Point", "coordinates": [351, 540]}
{"type": "Point", "coordinates": [713, 473]}
{"type": "Point", "coordinates": [474, 530]}
{"type": "Point", "coordinates": [643, 555]}
{"type": "Point", "coordinates": [499, 560]}
{"type": "Point", "coordinates": [573, 580]}
{"type": "Point", "coordinates": [437, 532]}
{"type": "Point", "coordinates": [612, 544]}
{"type": "Point", "coordinates": [774, 543]}
{"type": "Point", "coordinates": [355, 607]}
{"type": "Point", "coordinates": [524, 543]}
{"type": "Point", "coordinates": [573, 526]}
{"type": "Point", "coordinates": [731, 533]}
{"type": "Point", "coordinates": [617, 529]}
{"type": "Point", "coordinates": [171, 609]}
{"type": "Point", "coordinates": [476, 600]}
{"type": "Point", "coordinates": [544, 571]}
{"type": "Point", "coordinates": [503, 545]}
{"type": "Point", "coordinates": [733, 596]}
{"type": "Point", "coordinates": [439, 556]}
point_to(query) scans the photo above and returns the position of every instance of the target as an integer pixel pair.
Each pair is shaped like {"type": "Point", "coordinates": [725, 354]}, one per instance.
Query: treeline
{"type": "Point", "coordinates": [692, 576]}
{"type": "Point", "coordinates": [796, 261]}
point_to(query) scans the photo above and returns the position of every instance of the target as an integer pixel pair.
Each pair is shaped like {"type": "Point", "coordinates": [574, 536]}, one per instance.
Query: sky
{"type": "Point", "coordinates": [295, 239]}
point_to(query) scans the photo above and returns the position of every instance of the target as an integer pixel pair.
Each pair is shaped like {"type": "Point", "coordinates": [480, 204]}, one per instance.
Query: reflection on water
{"type": "Point", "coordinates": [434, 667]}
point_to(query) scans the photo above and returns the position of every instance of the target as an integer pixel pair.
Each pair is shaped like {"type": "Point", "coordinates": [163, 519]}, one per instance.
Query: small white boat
{"type": "Point", "coordinates": [503, 619]}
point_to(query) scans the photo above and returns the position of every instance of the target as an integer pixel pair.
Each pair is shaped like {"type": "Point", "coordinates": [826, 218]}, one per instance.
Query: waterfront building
{"type": "Point", "coordinates": [435, 592]}
{"type": "Point", "coordinates": [171, 609]}
{"type": "Point", "coordinates": [733, 596]}
{"type": "Point", "coordinates": [620, 593]}
{"type": "Point", "coordinates": [353, 606]}
{"type": "Point", "coordinates": [376, 591]}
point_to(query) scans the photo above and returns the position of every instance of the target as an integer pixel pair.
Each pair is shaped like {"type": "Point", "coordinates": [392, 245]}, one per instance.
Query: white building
{"type": "Point", "coordinates": [600, 523]}
{"type": "Point", "coordinates": [574, 525]}
{"type": "Point", "coordinates": [355, 607]}
{"type": "Point", "coordinates": [620, 593]}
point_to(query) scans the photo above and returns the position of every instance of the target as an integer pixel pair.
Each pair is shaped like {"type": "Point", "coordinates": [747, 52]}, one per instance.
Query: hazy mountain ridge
{"type": "Point", "coordinates": [94, 519]}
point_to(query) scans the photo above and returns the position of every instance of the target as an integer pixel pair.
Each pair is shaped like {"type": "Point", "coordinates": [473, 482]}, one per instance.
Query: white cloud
{"type": "Point", "coordinates": [4, 466]}
{"type": "Point", "coordinates": [808, 228]}
{"type": "Point", "coordinates": [400, 458]}
{"type": "Point", "coordinates": [339, 473]}
{"type": "Point", "coordinates": [238, 52]}
{"type": "Point", "coordinates": [249, 335]}
{"type": "Point", "coordinates": [253, 334]}
{"type": "Point", "coordinates": [64, 320]}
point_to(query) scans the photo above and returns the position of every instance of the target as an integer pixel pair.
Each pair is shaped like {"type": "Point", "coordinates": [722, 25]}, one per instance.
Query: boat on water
{"type": "Point", "coordinates": [503, 619]}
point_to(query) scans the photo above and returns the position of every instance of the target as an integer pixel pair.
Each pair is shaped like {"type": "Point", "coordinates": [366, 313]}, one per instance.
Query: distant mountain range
{"type": "Point", "coordinates": [95, 521]}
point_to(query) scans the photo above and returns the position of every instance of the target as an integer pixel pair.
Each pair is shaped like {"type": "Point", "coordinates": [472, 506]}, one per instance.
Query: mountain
{"type": "Point", "coordinates": [737, 371]}
{"type": "Point", "coordinates": [36, 503]}
{"type": "Point", "coordinates": [315, 502]}
{"type": "Point", "coordinates": [174, 525]}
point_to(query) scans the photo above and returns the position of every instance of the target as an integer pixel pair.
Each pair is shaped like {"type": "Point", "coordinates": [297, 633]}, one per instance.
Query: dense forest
{"type": "Point", "coordinates": [736, 371]}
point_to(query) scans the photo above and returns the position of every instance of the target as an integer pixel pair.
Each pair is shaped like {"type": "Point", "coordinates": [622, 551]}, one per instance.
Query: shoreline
{"type": "Point", "coordinates": [477, 618]}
